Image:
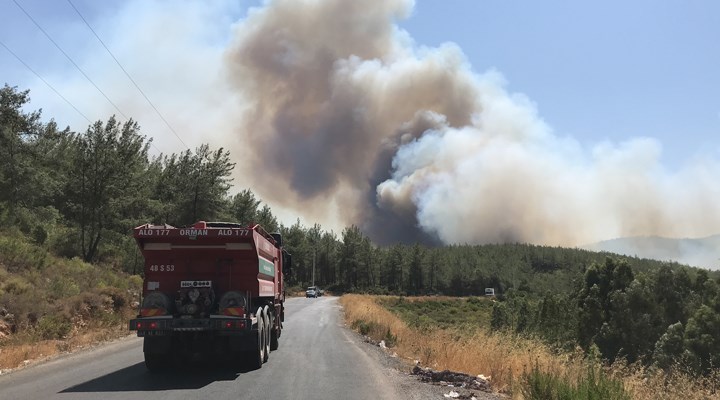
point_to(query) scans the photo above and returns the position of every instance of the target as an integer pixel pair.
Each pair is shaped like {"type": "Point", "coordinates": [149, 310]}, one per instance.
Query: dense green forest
{"type": "Point", "coordinates": [79, 194]}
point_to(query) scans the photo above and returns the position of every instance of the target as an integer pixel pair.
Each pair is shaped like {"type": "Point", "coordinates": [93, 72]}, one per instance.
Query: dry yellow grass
{"type": "Point", "coordinates": [499, 357]}
{"type": "Point", "coordinates": [505, 358]}
{"type": "Point", "coordinates": [647, 385]}
{"type": "Point", "coordinates": [14, 355]}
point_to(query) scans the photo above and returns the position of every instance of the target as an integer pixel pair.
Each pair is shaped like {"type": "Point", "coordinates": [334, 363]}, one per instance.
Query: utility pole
{"type": "Point", "coordinates": [313, 268]}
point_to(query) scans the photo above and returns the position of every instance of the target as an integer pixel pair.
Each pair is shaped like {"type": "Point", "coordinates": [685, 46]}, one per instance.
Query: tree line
{"type": "Point", "coordinates": [662, 317]}
{"type": "Point", "coordinates": [79, 194]}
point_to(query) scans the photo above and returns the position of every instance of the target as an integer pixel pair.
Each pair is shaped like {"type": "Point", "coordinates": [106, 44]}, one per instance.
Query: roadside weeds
{"type": "Point", "coordinates": [514, 366]}
{"type": "Point", "coordinates": [21, 354]}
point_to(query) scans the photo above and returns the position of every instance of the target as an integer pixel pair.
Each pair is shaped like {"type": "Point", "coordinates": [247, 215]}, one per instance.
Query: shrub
{"type": "Point", "coordinates": [63, 286]}
{"type": "Point", "coordinates": [594, 384]}
{"type": "Point", "coordinates": [53, 326]}
{"type": "Point", "coordinates": [135, 283]}
{"type": "Point", "coordinates": [24, 307]}
{"type": "Point", "coordinates": [118, 298]}
{"type": "Point", "coordinates": [16, 285]}
{"type": "Point", "coordinates": [390, 339]}
{"type": "Point", "coordinates": [362, 326]}
{"type": "Point", "coordinates": [374, 330]}
{"type": "Point", "coordinates": [39, 234]}
{"type": "Point", "coordinates": [17, 254]}
{"type": "Point", "coordinates": [474, 300]}
{"type": "Point", "coordinates": [64, 242]}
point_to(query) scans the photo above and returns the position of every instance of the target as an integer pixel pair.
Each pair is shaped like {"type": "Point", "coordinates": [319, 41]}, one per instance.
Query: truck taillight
{"type": "Point", "coordinates": [233, 324]}
{"type": "Point", "coordinates": [233, 311]}
{"type": "Point", "coordinates": [152, 312]}
{"type": "Point", "coordinates": [146, 325]}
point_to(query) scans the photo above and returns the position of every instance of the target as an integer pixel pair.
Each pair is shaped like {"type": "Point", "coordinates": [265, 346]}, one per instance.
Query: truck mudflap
{"type": "Point", "coordinates": [167, 325]}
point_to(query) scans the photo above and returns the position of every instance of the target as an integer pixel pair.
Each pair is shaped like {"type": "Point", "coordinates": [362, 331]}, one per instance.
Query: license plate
{"type": "Point", "coordinates": [189, 284]}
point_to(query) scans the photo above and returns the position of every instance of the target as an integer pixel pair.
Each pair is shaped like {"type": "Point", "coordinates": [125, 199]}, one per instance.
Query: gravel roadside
{"type": "Point", "coordinates": [399, 370]}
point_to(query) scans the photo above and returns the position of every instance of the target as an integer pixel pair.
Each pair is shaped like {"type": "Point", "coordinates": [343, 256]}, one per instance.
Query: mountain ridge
{"type": "Point", "coordinates": [697, 252]}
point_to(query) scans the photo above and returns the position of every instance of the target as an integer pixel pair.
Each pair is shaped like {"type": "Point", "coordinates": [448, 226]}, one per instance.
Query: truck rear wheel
{"type": "Point", "coordinates": [274, 334]}
{"type": "Point", "coordinates": [256, 357]}
{"type": "Point", "coordinates": [266, 337]}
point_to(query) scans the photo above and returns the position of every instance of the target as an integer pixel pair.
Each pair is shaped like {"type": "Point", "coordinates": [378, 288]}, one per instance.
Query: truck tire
{"type": "Point", "coordinates": [256, 356]}
{"type": "Point", "coordinates": [274, 334]}
{"type": "Point", "coordinates": [266, 338]}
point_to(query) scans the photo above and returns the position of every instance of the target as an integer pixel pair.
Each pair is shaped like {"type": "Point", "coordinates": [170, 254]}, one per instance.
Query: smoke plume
{"type": "Point", "coordinates": [346, 115]}
{"type": "Point", "coordinates": [335, 115]}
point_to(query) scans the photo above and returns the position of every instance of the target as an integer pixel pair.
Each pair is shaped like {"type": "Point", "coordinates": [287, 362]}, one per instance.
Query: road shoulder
{"type": "Point", "coordinates": [397, 371]}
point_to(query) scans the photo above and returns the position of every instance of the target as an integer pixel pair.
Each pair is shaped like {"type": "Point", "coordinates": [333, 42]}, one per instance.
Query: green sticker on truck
{"type": "Point", "coordinates": [266, 267]}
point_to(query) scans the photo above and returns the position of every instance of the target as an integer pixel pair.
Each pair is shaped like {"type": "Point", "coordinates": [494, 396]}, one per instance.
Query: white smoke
{"type": "Point", "coordinates": [507, 177]}
{"type": "Point", "coordinates": [344, 103]}
{"type": "Point", "coordinates": [335, 114]}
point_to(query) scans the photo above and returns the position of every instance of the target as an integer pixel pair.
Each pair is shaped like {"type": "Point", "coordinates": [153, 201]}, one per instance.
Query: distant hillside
{"type": "Point", "coordinates": [702, 252]}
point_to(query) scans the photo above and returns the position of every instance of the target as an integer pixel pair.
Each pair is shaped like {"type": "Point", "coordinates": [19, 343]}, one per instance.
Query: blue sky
{"type": "Point", "coordinates": [629, 91]}
{"type": "Point", "coordinates": [596, 70]}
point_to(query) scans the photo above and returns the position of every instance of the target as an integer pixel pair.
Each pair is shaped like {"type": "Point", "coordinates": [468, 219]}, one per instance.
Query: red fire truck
{"type": "Point", "coordinates": [213, 288]}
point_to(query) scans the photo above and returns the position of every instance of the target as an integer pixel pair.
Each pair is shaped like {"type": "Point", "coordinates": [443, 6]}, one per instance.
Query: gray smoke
{"type": "Point", "coordinates": [344, 115]}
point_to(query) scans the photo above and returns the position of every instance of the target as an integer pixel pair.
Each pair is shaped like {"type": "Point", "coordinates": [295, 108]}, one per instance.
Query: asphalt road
{"type": "Point", "coordinates": [317, 359]}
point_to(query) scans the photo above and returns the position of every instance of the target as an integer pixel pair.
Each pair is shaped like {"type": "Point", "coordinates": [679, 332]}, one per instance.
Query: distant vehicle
{"type": "Point", "coordinates": [489, 292]}
{"type": "Point", "coordinates": [312, 291]}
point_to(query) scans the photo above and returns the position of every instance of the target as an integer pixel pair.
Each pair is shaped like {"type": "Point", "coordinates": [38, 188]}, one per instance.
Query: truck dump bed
{"type": "Point", "coordinates": [226, 257]}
